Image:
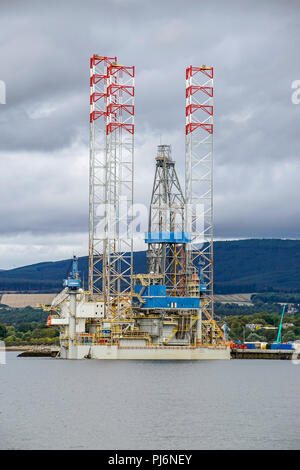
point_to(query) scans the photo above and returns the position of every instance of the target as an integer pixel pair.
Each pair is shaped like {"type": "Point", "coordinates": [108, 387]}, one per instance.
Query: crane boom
{"type": "Point", "coordinates": [280, 326]}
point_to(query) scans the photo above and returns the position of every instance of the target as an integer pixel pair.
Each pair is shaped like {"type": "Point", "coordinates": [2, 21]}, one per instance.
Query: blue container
{"type": "Point", "coordinates": [170, 302]}
{"type": "Point", "coordinates": [250, 345]}
{"type": "Point", "coordinates": [286, 347]}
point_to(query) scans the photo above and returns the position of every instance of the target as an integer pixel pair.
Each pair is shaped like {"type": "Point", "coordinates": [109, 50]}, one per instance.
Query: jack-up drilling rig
{"type": "Point", "coordinates": [166, 313]}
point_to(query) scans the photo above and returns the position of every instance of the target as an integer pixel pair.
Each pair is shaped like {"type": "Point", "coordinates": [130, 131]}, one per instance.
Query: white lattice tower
{"type": "Point", "coordinates": [199, 175]}
{"type": "Point", "coordinates": [120, 160]}
{"type": "Point", "coordinates": [98, 170]}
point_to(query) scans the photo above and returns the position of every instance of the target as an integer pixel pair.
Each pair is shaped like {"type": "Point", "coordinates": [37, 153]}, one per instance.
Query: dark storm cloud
{"type": "Point", "coordinates": [44, 57]}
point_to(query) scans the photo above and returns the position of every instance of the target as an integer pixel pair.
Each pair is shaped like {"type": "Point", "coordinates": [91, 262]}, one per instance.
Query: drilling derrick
{"type": "Point", "coordinates": [199, 177]}
{"type": "Point", "coordinates": [166, 238]}
{"type": "Point", "coordinates": [167, 292]}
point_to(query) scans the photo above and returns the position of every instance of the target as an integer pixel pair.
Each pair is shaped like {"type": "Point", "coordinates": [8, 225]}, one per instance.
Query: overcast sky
{"type": "Point", "coordinates": [44, 125]}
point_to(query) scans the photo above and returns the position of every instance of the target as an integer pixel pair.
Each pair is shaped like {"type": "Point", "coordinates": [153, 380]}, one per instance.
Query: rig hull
{"type": "Point", "coordinates": [85, 332]}
{"type": "Point", "coordinates": [146, 353]}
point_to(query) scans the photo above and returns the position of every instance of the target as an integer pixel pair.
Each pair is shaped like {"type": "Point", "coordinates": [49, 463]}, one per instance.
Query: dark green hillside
{"type": "Point", "coordinates": [257, 266]}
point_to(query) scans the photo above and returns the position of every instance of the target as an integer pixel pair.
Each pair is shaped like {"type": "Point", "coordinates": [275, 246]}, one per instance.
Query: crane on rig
{"type": "Point", "coordinates": [278, 340]}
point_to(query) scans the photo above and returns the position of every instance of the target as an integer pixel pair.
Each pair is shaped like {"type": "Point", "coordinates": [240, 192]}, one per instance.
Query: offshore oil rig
{"type": "Point", "coordinates": [166, 313]}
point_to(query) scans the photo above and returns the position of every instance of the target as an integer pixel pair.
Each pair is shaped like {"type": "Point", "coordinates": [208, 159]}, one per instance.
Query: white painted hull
{"type": "Point", "coordinates": [146, 353]}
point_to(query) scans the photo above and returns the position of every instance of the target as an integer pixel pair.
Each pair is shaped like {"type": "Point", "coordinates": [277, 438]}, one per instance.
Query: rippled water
{"type": "Point", "coordinates": [239, 404]}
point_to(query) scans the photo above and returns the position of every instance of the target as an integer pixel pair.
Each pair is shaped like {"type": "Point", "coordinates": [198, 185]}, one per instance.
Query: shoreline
{"type": "Point", "coordinates": [34, 347]}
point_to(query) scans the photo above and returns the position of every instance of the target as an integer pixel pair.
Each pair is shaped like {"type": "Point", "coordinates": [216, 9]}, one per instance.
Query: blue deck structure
{"type": "Point", "coordinates": [167, 237]}
{"type": "Point", "coordinates": [154, 297]}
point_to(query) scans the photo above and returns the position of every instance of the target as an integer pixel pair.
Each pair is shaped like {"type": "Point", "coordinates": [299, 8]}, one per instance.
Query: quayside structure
{"type": "Point", "coordinates": [167, 312]}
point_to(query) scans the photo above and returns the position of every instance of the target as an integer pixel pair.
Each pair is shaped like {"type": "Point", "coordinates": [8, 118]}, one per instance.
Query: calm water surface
{"type": "Point", "coordinates": [239, 404]}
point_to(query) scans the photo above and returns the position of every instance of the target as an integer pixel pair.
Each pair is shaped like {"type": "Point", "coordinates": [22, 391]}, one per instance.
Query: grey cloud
{"type": "Point", "coordinates": [44, 56]}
